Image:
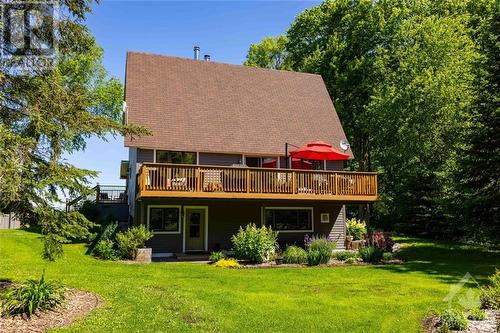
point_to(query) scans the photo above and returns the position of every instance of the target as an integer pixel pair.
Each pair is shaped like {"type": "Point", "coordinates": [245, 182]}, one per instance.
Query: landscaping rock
{"type": "Point", "coordinates": [144, 255]}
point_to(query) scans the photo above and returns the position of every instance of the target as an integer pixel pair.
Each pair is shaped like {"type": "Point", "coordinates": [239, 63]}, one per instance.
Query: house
{"type": "Point", "coordinates": [216, 158]}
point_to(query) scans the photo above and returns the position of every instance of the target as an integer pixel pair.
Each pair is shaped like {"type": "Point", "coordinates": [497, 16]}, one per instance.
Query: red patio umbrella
{"type": "Point", "coordinates": [320, 151]}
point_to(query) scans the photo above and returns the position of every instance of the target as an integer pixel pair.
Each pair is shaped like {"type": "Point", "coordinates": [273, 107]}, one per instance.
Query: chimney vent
{"type": "Point", "coordinates": [196, 53]}
{"type": "Point", "coordinates": [207, 57]}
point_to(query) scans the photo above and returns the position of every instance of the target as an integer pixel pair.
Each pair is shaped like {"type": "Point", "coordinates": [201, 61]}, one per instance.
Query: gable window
{"type": "Point", "coordinates": [164, 219]}
{"type": "Point", "coordinates": [289, 219]}
{"type": "Point", "coordinates": [176, 157]}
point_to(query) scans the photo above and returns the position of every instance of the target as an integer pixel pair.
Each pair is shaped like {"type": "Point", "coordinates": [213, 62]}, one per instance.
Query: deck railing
{"type": "Point", "coordinates": [235, 182]}
{"type": "Point", "coordinates": [109, 194]}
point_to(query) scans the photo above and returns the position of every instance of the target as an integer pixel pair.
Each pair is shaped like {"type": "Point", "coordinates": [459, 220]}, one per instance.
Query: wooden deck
{"type": "Point", "coordinates": [194, 181]}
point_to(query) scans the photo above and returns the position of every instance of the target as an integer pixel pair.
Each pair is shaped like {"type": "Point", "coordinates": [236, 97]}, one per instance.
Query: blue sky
{"type": "Point", "coordinates": [223, 29]}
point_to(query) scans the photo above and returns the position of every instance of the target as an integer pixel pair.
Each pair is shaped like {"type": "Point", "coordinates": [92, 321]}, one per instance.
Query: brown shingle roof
{"type": "Point", "coordinates": [204, 106]}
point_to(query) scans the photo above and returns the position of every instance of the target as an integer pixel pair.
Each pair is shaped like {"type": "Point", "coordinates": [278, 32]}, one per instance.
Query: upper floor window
{"type": "Point", "coordinates": [176, 157]}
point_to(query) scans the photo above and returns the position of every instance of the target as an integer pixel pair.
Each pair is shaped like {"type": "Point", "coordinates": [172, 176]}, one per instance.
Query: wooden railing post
{"type": "Point", "coordinates": [336, 183]}
{"type": "Point", "coordinates": [248, 180]}
{"type": "Point", "coordinates": [198, 179]}
{"type": "Point", "coordinates": [294, 182]}
{"type": "Point", "coordinates": [97, 192]}
{"type": "Point", "coordinates": [143, 177]}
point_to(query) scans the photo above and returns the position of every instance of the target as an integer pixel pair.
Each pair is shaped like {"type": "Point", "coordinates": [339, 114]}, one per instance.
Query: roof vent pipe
{"type": "Point", "coordinates": [196, 53]}
{"type": "Point", "coordinates": [207, 57]}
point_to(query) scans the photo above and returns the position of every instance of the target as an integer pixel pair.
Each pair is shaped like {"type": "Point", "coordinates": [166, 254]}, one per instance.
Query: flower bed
{"type": "Point", "coordinates": [77, 304]}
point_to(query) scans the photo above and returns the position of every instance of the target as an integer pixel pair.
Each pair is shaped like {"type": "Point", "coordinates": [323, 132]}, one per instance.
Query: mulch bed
{"type": "Point", "coordinates": [431, 324]}
{"type": "Point", "coordinates": [76, 305]}
{"type": "Point", "coordinates": [332, 263]}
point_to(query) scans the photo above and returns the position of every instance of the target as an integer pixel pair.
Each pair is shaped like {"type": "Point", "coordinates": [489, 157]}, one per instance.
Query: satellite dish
{"type": "Point", "coordinates": [344, 145]}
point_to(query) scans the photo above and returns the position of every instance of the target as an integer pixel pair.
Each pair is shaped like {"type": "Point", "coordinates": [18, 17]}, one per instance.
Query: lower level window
{"type": "Point", "coordinates": [289, 219]}
{"type": "Point", "coordinates": [164, 219]}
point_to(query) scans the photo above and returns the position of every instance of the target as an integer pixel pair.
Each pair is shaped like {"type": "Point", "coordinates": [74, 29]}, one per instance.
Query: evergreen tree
{"type": "Point", "coordinates": [47, 111]}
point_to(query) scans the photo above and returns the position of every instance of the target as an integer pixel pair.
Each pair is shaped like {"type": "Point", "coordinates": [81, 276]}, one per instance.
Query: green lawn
{"type": "Point", "coordinates": [191, 297]}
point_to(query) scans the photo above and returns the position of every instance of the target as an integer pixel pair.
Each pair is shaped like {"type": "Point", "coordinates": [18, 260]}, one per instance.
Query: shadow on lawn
{"type": "Point", "coordinates": [446, 261]}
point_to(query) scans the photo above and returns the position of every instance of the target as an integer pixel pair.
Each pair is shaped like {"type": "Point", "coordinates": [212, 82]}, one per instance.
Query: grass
{"type": "Point", "coordinates": [193, 297]}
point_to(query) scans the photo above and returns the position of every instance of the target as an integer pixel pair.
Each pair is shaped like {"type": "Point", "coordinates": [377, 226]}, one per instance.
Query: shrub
{"type": "Point", "coordinates": [31, 296]}
{"type": "Point", "coordinates": [317, 257]}
{"type": "Point", "coordinates": [387, 256]}
{"type": "Point", "coordinates": [106, 232]}
{"type": "Point", "coordinates": [227, 263]}
{"type": "Point", "coordinates": [294, 255]}
{"type": "Point", "coordinates": [356, 229]}
{"type": "Point", "coordinates": [129, 241]}
{"type": "Point", "coordinates": [104, 249]}
{"type": "Point", "coordinates": [477, 314]}
{"type": "Point", "coordinates": [320, 243]}
{"type": "Point", "coordinates": [255, 244]}
{"type": "Point", "coordinates": [350, 260]}
{"type": "Point", "coordinates": [380, 240]}
{"type": "Point", "coordinates": [490, 295]}
{"type": "Point", "coordinates": [370, 254]}
{"type": "Point", "coordinates": [216, 256]}
{"type": "Point", "coordinates": [455, 320]}
{"type": "Point", "coordinates": [345, 255]}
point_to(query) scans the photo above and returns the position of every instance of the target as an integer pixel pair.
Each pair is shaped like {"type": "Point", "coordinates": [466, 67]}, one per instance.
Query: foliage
{"type": "Point", "coordinates": [380, 240]}
{"type": "Point", "coordinates": [294, 255]}
{"type": "Point", "coordinates": [387, 256]}
{"type": "Point", "coordinates": [191, 290]}
{"type": "Point", "coordinates": [454, 320]}
{"type": "Point", "coordinates": [31, 296]}
{"type": "Point", "coordinates": [319, 243]}
{"type": "Point", "coordinates": [477, 314]}
{"type": "Point", "coordinates": [107, 231]}
{"type": "Point", "coordinates": [318, 256]}
{"type": "Point", "coordinates": [60, 227]}
{"type": "Point", "coordinates": [48, 112]}
{"type": "Point", "coordinates": [227, 263]}
{"type": "Point", "coordinates": [351, 260]}
{"type": "Point", "coordinates": [129, 241]}
{"type": "Point", "coordinates": [255, 244]}
{"type": "Point", "coordinates": [478, 177]}
{"type": "Point", "coordinates": [319, 249]}
{"type": "Point", "coordinates": [370, 254]}
{"type": "Point", "coordinates": [490, 295]}
{"type": "Point", "coordinates": [90, 210]}
{"type": "Point", "coordinates": [216, 256]}
{"type": "Point", "coordinates": [416, 88]}
{"type": "Point", "coordinates": [356, 228]}
{"type": "Point", "coordinates": [345, 255]}
{"type": "Point", "coordinates": [52, 247]}
{"type": "Point", "coordinates": [269, 53]}
{"type": "Point", "coordinates": [104, 249]}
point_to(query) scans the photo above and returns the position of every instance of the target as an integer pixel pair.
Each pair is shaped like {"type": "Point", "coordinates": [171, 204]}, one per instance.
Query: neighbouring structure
{"type": "Point", "coordinates": [216, 158]}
